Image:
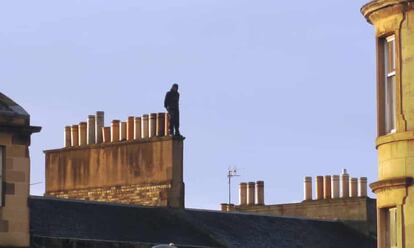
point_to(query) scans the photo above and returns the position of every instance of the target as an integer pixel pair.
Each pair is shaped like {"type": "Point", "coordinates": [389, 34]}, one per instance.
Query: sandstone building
{"type": "Point", "coordinates": [394, 30]}
{"type": "Point", "coordinates": [15, 132]}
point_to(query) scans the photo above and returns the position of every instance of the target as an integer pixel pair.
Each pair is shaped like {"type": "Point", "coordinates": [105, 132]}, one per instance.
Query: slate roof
{"type": "Point", "coordinates": [81, 220]}
{"type": "Point", "coordinates": [9, 107]}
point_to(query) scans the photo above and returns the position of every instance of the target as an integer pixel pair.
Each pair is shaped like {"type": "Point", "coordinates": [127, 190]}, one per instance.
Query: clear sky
{"type": "Point", "coordinates": [279, 89]}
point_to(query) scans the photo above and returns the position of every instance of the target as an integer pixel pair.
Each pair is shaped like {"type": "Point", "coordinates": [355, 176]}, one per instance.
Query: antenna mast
{"type": "Point", "coordinates": [232, 172]}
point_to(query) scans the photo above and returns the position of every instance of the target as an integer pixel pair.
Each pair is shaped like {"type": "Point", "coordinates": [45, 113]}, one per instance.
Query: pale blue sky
{"type": "Point", "coordinates": [279, 89]}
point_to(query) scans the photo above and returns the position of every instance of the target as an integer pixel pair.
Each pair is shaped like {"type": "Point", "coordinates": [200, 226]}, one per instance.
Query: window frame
{"type": "Point", "coordinates": [391, 227]}
{"type": "Point", "coordinates": [387, 85]}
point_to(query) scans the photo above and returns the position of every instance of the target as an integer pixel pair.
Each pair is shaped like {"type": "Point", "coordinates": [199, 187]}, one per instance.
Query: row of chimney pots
{"type": "Point", "coordinates": [251, 193]}
{"type": "Point", "coordinates": [93, 130]}
{"type": "Point", "coordinates": [332, 187]}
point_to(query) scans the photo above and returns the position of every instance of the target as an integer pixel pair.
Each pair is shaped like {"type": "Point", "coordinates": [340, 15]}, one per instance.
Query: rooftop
{"type": "Point", "coordinates": [116, 223]}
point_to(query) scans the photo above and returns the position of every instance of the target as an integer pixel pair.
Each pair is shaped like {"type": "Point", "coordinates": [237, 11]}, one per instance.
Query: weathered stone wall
{"type": "Point", "coordinates": [15, 132]}
{"type": "Point", "coordinates": [358, 212]}
{"type": "Point", "coordinates": [145, 172]}
{"type": "Point", "coordinates": [149, 195]}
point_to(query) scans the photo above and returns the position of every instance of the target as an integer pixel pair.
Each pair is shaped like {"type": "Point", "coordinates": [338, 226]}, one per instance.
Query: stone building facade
{"type": "Point", "coordinates": [15, 132]}
{"type": "Point", "coordinates": [394, 34]}
{"type": "Point", "coordinates": [132, 162]}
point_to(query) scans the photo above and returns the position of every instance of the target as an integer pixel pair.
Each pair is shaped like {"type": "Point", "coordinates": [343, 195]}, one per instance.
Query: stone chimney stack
{"type": "Point", "coordinates": [307, 188]}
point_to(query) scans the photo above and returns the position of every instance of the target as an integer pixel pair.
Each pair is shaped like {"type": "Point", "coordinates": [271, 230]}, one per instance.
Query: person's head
{"type": "Point", "coordinates": [174, 87]}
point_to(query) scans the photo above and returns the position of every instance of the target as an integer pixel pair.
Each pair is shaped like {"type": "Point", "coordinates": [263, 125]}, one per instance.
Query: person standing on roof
{"type": "Point", "coordinates": [171, 103]}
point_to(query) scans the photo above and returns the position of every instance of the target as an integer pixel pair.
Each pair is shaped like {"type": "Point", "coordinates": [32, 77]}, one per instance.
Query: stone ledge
{"type": "Point", "coordinates": [400, 182]}
{"type": "Point", "coordinates": [118, 143]}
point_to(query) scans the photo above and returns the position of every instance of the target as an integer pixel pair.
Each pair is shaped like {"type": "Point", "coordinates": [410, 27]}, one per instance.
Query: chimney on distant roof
{"type": "Point", "coordinates": [144, 126]}
{"type": "Point", "coordinates": [68, 140]}
{"type": "Point", "coordinates": [344, 184]}
{"type": "Point", "coordinates": [327, 189]}
{"type": "Point", "coordinates": [335, 186]}
{"type": "Point", "coordinates": [250, 193]}
{"type": "Point", "coordinates": [243, 194]}
{"type": "Point", "coordinates": [259, 193]}
{"type": "Point", "coordinates": [307, 189]}
{"type": "Point", "coordinates": [319, 187]}
{"type": "Point", "coordinates": [99, 124]}
{"type": "Point", "coordinates": [354, 187]}
{"type": "Point", "coordinates": [75, 135]}
{"type": "Point", "coordinates": [91, 130]}
{"type": "Point", "coordinates": [363, 186]}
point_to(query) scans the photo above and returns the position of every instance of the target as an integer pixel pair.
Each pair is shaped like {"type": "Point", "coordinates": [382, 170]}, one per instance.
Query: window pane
{"type": "Point", "coordinates": [393, 227]}
{"type": "Point", "coordinates": [389, 104]}
{"type": "Point", "coordinates": [391, 56]}
{"type": "Point", "coordinates": [388, 85]}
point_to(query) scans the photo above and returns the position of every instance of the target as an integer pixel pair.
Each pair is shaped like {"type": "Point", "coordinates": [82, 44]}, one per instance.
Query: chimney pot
{"type": "Point", "coordinates": [130, 128]}
{"type": "Point", "coordinates": [137, 129]}
{"type": "Point", "coordinates": [68, 139]}
{"type": "Point", "coordinates": [106, 134]}
{"type": "Point", "coordinates": [327, 188]}
{"type": "Point", "coordinates": [354, 187]}
{"type": "Point", "coordinates": [75, 135]}
{"type": "Point", "coordinates": [99, 124]}
{"type": "Point", "coordinates": [307, 188]}
{"type": "Point", "coordinates": [243, 194]}
{"type": "Point", "coordinates": [91, 130]}
{"type": "Point", "coordinates": [82, 133]}
{"type": "Point", "coordinates": [160, 124]}
{"type": "Point", "coordinates": [363, 186]}
{"type": "Point", "coordinates": [145, 129]}
{"type": "Point", "coordinates": [115, 131]}
{"type": "Point", "coordinates": [259, 193]}
{"type": "Point", "coordinates": [123, 131]}
{"type": "Point", "coordinates": [152, 125]}
{"type": "Point", "coordinates": [344, 184]}
{"type": "Point", "coordinates": [250, 193]}
{"type": "Point", "coordinates": [335, 186]}
{"type": "Point", "coordinates": [319, 187]}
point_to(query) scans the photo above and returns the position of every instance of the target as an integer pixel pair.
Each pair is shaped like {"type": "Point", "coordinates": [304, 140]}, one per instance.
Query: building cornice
{"type": "Point", "coordinates": [376, 5]}
{"type": "Point", "coordinates": [399, 182]}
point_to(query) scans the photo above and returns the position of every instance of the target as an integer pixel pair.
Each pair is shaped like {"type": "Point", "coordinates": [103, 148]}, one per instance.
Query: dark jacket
{"type": "Point", "coordinates": [171, 100]}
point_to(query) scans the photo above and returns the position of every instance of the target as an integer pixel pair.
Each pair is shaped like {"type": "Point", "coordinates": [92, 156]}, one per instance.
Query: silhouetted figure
{"type": "Point", "coordinates": [171, 104]}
